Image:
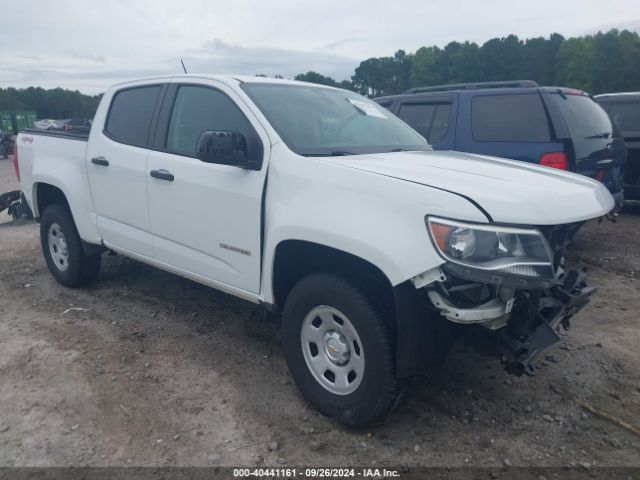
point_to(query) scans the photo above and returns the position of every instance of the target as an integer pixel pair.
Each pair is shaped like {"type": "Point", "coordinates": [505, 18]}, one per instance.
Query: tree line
{"type": "Point", "coordinates": [604, 62]}
{"type": "Point", "coordinates": [54, 103]}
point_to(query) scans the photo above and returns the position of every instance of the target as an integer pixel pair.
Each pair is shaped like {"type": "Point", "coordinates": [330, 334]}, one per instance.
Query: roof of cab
{"type": "Point", "coordinates": [228, 79]}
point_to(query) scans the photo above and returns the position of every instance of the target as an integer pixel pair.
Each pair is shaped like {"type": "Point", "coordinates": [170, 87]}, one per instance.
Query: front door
{"type": "Point", "coordinates": [206, 218]}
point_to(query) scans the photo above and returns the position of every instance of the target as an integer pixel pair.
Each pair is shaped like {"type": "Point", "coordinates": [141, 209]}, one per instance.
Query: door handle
{"type": "Point", "coordinates": [100, 161]}
{"type": "Point", "coordinates": [162, 174]}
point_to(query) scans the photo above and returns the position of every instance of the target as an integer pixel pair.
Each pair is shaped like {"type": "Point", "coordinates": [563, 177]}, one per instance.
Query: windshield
{"type": "Point", "coordinates": [317, 121]}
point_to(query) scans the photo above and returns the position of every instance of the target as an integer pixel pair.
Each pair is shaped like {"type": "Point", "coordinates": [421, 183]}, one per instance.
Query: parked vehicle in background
{"type": "Point", "coordinates": [374, 250]}
{"type": "Point", "coordinates": [624, 111]}
{"type": "Point", "coordinates": [50, 124]}
{"type": "Point", "coordinates": [6, 144]}
{"type": "Point", "coordinates": [77, 125]}
{"type": "Point", "coordinates": [556, 127]}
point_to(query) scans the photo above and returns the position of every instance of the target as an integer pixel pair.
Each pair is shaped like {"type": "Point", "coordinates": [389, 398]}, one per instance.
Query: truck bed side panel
{"type": "Point", "coordinates": [60, 161]}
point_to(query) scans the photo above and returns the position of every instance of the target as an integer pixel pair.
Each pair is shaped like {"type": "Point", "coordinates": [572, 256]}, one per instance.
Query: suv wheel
{"type": "Point", "coordinates": [339, 350]}
{"type": "Point", "coordinates": [62, 249]}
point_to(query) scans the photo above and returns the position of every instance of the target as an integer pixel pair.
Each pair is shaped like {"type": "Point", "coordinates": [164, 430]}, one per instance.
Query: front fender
{"type": "Point", "coordinates": [373, 217]}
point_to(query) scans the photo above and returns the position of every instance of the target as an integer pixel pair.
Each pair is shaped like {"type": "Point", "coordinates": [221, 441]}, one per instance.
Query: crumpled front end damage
{"type": "Point", "coordinates": [512, 317]}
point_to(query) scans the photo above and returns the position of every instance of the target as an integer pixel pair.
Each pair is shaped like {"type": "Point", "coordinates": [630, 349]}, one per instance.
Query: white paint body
{"type": "Point", "coordinates": [371, 206]}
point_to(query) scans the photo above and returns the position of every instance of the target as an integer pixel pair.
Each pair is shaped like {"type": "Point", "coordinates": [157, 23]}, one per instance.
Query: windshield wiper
{"type": "Point", "coordinates": [599, 135]}
{"type": "Point", "coordinates": [340, 153]}
{"type": "Point", "coordinates": [336, 153]}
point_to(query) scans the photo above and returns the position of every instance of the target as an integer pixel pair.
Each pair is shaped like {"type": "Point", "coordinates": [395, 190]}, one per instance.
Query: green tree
{"type": "Point", "coordinates": [463, 62]}
{"type": "Point", "coordinates": [616, 61]}
{"type": "Point", "coordinates": [574, 63]}
{"type": "Point", "coordinates": [502, 58]}
{"type": "Point", "coordinates": [315, 77]}
{"type": "Point", "coordinates": [425, 69]}
{"type": "Point", "coordinates": [539, 59]}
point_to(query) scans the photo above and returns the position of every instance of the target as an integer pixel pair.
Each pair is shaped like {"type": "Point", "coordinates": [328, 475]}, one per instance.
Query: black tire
{"type": "Point", "coordinates": [379, 389]}
{"type": "Point", "coordinates": [78, 269]}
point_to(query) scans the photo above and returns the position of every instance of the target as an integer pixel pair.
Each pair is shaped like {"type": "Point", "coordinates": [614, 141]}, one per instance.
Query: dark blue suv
{"type": "Point", "coordinates": [552, 126]}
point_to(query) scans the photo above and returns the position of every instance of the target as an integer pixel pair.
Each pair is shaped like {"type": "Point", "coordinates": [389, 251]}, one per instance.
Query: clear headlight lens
{"type": "Point", "coordinates": [517, 251]}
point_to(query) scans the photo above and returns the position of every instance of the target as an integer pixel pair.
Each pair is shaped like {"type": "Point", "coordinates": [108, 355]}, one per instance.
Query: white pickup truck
{"type": "Point", "coordinates": [316, 203]}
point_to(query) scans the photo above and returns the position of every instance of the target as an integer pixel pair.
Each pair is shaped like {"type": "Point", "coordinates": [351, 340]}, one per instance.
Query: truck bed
{"type": "Point", "coordinates": [46, 156]}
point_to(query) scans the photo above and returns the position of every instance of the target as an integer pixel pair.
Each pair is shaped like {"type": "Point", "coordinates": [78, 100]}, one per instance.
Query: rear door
{"type": "Point", "coordinates": [117, 168]}
{"type": "Point", "coordinates": [508, 124]}
{"type": "Point", "coordinates": [205, 217]}
{"type": "Point", "coordinates": [598, 151]}
{"type": "Point", "coordinates": [433, 117]}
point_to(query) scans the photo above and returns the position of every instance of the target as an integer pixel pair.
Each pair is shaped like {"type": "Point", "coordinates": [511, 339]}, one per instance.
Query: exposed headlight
{"type": "Point", "coordinates": [516, 251]}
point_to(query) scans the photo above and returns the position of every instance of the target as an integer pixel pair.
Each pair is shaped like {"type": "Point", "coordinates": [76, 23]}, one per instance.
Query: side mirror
{"type": "Point", "coordinates": [226, 148]}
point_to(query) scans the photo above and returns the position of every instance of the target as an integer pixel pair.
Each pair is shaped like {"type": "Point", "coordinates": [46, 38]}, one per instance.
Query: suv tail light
{"type": "Point", "coordinates": [600, 176]}
{"type": "Point", "coordinates": [554, 160]}
{"type": "Point", "coordinates": [16, 165]}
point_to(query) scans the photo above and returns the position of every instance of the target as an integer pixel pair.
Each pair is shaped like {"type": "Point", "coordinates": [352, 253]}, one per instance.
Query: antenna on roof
{"type": "Point", "coordinates": [183, 67]}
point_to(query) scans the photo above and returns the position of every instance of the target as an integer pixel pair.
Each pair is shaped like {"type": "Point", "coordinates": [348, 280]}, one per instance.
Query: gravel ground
{"type": "Point", "coordinates": [146, 368]}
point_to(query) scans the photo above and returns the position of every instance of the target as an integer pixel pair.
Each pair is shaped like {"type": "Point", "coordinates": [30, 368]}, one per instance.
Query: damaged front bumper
{"type": "Point", "coordinates": [513, 321]}
{"type": "Point", "coordinates": [525, 337]}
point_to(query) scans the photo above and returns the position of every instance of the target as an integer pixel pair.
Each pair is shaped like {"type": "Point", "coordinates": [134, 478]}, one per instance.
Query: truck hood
{"type": "Point", "coordinates": [509, 191]}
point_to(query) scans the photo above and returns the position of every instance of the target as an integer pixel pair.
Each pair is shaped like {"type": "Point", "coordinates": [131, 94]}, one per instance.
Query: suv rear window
{"type": "Point", "coordinates": [588, 123]}
{"type": "Point", "coordinates": [584, 117]}
{"type": "Point", "coordinates": [509, 118]}
{"type": "Point", "coordinates": [429, 120]}
{"type": "Point", "coordinates": [130, 115]}
{"type": "Point", "coordinates": [626, 116]}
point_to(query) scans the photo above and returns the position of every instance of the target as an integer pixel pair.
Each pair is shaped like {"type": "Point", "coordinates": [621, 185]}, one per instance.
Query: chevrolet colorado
{"type": "Point", "coordinates": [318, 204]}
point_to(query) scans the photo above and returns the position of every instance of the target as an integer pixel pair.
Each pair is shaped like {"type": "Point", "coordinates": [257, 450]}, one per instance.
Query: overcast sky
{"type": "Point", "coordinates": [88, 45]}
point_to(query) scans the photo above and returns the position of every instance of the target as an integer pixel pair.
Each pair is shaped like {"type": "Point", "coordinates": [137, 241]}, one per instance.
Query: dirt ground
{"type": "Point", "coordinates": [146, 368]}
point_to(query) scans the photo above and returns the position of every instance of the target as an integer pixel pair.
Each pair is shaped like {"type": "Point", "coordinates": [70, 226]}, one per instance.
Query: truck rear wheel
{"type": "Point", "coordinates": [339, 350]}
{"type": "Point", "coordinates": [62, 249]}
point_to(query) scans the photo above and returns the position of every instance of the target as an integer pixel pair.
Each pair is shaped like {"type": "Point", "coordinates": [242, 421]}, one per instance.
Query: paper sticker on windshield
{"type": "Point", "coordinates": [367, 108]}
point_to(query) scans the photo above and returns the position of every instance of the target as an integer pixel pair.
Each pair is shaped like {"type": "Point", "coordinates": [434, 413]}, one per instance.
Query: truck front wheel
{"type": "Point", "coordinates": [62, 249]}
{"type": "Point", "coordinates": [339, 350]}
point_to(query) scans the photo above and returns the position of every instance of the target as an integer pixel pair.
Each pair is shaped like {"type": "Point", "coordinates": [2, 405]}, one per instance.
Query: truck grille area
{"type": "Point", "coordinates": [559, 237]}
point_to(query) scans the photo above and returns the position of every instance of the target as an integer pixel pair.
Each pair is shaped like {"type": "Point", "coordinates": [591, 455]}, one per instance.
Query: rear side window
{"type": "Point", "coordinates": [509, 118]}
{"type": "Point", "coordinates": [130, 115]}
{"type": "Point", "coordinates": [429, 120]}
{"type": "Point", "coordinates": [626, 116]}
{"type": "Point", "coordinates": [198, 109]}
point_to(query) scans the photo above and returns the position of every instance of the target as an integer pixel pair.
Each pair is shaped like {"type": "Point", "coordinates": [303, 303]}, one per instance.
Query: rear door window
{"type": "Point", "coordinates": [626, 116]}
{"type": "Point", "coordinates": [130, 115]}
{"type": "Point", "coordinates": [509, 118]}
{"type": "Point", "coordinates": [431, 120]}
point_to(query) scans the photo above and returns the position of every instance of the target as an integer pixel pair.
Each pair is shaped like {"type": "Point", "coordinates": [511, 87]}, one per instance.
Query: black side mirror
{"type": "Point", "coordinates": [225, 148]}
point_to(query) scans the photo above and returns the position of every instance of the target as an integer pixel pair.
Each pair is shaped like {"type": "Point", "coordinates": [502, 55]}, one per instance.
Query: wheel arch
{"type": "Point", "coordinates": [421, 336]}
{"type": "Point", "coordinates": [294, 259]}
{"type": "Point", "coordinates": [45, 194]}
